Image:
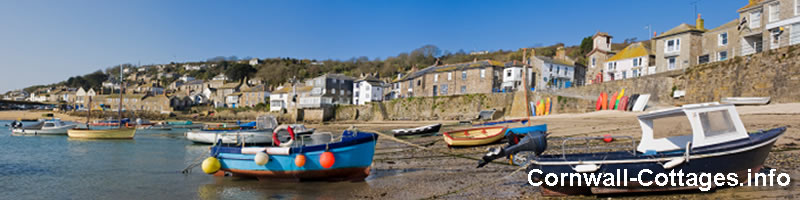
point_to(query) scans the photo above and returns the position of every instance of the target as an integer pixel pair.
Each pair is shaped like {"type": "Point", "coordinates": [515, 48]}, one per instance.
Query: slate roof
{"type": "Point", "coordinates": [683, 28]}
{"type": "Point", "coordinates": [453, 67]}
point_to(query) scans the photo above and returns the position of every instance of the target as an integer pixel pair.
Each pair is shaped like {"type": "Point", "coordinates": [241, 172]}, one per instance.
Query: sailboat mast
{"type": "Point", "coordinates": [120, 96]}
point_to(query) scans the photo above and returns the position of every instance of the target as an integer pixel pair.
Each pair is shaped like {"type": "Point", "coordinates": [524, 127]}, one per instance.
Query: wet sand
{"type": "Point", "coordinates": [404, 172]}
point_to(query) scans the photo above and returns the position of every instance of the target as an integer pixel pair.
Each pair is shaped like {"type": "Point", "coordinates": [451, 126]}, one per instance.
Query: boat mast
{"type": "Point", "coordinates": [120, 96]}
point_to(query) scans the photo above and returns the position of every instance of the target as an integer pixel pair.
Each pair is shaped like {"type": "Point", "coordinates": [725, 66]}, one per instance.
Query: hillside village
{"type": "Point", "coordinates": [762, 25]}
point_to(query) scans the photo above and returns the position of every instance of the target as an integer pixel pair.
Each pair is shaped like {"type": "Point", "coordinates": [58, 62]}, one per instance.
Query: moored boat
{"type": "Point", "coordinates": [718, 143]}
{"type": "Point", "coordinates": [474, 136]}
{"type": "Point", "coordinates": [347, 159]}
{"type": "Point", "coordinates": [433, 128]}
{"type": "Point", "coordinates": [45, 127]}
{"type": "Point", "coordinates": [259, 132]}
{"type": "Point", "coordinates": [115, 133]}
{"type": "Point", "coordinates": [492, 123]}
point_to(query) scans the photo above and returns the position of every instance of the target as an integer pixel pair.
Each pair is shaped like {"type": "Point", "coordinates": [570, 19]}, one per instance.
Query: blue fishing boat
{"type": "Point", "coordinates": [348, 159]}
{"type": "Point", "coordinates": [515, 134]}
{"type": "Point", "coordinates": [718, 143]}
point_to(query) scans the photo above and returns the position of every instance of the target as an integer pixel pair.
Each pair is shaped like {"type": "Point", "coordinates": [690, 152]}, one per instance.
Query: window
{"type": "Point", "coordinates": [723, 39]}
{"type": "Point", "coordinates": [774, 12]}
{"type": "Point", "coordinates": [551, 68]}
{"type": "Point", "coordinates": [716, 123]}
{"type": "Point", "coordinates": [703, 59]}
{"type": "Point", "coordinates": [449, 76]}
{"type": "Point", "coordinates": [464, 75]}
{"type": "Point", "coordinates": [755, 19]}
{"type": "Point", "coordinates": [483, 73]}
{"type": "Point", "coordinates": [463, 89]}
{"type": "Point", "coordinates": [636, 73]}
{"type": "Point", "coordinates": [636, 62]}
{"type": "Point", "coordinates": [333, 91]}
{"type": "Point", "coordinates": [444, 89]}
{"type": "Point", "coordinates": [671, 63]}
{"type": "Point", "coordinates": [723, 55]}
{"type": "Point", "coordinates": [624, 75]}
{"type": "Point", "coordinates": [436, 78]}
{"type": "Point", "coordinates": [594, 60]}
{"type": "Point", "coordinates": [419, 82]}
{"type": "Point", "coordinates": [558, 69]}
{"type": "Point", "coordinates": [673, 45]}
{"type": "Point", "coordinates": [796, 6]}
{"type": "Point", "coordinates": [508, 74]}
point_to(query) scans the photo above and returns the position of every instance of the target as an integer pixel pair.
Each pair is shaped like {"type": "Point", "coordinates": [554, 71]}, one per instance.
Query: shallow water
{"type": "Point", "coordinates": [148, 167]}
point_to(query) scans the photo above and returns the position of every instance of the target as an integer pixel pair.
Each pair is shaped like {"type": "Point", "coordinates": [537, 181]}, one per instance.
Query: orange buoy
{"type": "Point", "coordinates": [327, 159]}
{"type": "Point", "coordinates": [607, 138]}
{"type": "Point", "coordinates": [300, 160]}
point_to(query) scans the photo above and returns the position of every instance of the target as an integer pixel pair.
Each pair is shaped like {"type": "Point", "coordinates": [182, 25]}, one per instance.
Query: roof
{"type": "Point", "coordinates": [193, 82]}
{"type": "Point", "coordinates": [257, 88]}
{"type": "Point", "coordinates": [556, 61]}
{"type": "Point", "coordinates": [601, 34]}
{"type": "Point", "coordinates": [453, 67]}
{"type": "Point", "coordinates": [683, 28]}
{"type": "Point", "coordinates": [337, 76]}
{"type": "Point", "coordinates": [229, 85]}
{"type": "Point", "coordinates": [751, 4]}
{"type": "Point", "coordinates": [370, 79]}
{"type": "Point", "coordinates": [634, 50]}
{"type": "Point", "coordinates": [287, 89]}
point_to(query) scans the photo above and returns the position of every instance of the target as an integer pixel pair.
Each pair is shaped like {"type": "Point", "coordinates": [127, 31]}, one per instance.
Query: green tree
{"type": "Point", "coordinates": [239, 71]}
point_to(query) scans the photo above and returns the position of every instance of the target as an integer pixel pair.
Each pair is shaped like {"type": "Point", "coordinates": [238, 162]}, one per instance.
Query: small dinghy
{"type": "Point", "coordinates": [45, 127]}
{"type": "Point", "coordinates": [718, 143]}
{"type": "Point", "coordinates": [347, 159]}
{"type": "Point", "coordinates": [474, 136]}
{"type": "Point", "coordinates": [422, 130]}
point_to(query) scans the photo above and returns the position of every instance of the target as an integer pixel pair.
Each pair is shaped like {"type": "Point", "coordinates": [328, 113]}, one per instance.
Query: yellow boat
{"type": "Point", "coordinates": [474, 136]}
{"type": "Point", "coordinates": [121, 133]}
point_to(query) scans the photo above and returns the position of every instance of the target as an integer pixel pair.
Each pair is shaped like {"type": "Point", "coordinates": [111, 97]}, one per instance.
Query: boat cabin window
{"type": "Point", "coordinates": [716, 123]}
{"type": "Point", "coordinates": [49, 125]}
{"type": "Point", "coordinates": [671, 126]}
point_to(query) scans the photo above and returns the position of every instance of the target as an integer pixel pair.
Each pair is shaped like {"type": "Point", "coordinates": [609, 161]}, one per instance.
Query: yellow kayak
{"type": "Point", "coordinates": [474, 136]}
{"type": "Point", "coordinates": [123, 133]}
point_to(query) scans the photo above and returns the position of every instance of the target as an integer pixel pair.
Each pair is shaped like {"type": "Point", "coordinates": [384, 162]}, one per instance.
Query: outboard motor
{"type": "Point", "coordinates": [535, 141]}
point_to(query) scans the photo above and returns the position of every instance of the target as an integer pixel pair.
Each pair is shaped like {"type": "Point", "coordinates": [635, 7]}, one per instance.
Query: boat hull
{"type": "Point", "coordinates": [748, 154]}
{"type": "Point", "coordinates": [44, 131]}
{"type": "Point", "coordinates": [417, 131]}
{"type": "Point", "coordinates": [124, 133]}
{"type": "Point", "coordinates": [231, 137]}
{"type": "Point", "coordinates": [352, 161]}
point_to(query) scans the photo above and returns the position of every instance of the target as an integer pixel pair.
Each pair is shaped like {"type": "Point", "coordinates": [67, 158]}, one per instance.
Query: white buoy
{"type": "Point", "coordinates": [261, 158]}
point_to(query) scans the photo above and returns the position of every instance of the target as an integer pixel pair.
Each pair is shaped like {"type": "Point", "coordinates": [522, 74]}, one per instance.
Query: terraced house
{"type": "Point", "coordinates": [633, 61]}
{"type": "Point", "coordinates": [452, 79]}
{"type": "Point", "coordinates": [768, 24]}
{"type": "Point", "coordinates": [555, 72]}
{"type": "Point", "coordinates": [680, 47]}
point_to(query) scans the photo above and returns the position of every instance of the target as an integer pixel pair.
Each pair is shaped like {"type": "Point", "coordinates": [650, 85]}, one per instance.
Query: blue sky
{"type": "Point", "coordinates": [43, 42]}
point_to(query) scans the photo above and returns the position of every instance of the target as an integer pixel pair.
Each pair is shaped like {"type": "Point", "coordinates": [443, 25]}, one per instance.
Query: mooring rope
{"type": "Point", "coordinates": [195, 163]}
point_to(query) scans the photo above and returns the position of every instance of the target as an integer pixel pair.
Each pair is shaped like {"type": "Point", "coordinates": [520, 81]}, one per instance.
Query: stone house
{"type": "Point", "coordinates": [192, 86]}
{"type": "Point", "coordinates": [633, 61]}
{"type": "Point", "coordinates": [220, 98]}
{"type": "Point", "coordinates": [679, 47]}
{"type": "Point", "coordinates": [553, 73]}
{"type": "Point", "coordinates": [254, 95]}
{"type": "Point", "coordinates": [596, 59]}
{"type": "Point", "coordinates": [82, 98]}
{"type": "Point", "coordinates": [133, 102]}
{"type": "Point", "coordinates": [720, 43]}
{"type": "Point", "coordinates": [768, 24]}
{"type": "Point", "coordinates": [367, 89]}
{"type": "Point", "coordinates": [328, 89]}
{"type": "Point", "coordinates": [283, 97]}
{"type": "Point", "coordinates": [180, 102]}
{"type": "Point", "coordinates": [452, 79]}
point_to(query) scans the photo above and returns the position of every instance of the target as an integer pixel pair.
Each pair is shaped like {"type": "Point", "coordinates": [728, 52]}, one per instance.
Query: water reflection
{"type": "Point", "coordinates": [244, 188]}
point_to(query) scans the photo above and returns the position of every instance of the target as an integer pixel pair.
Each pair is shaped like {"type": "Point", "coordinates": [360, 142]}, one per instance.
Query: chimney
{"type": "Point", "coordinates": [700, 22]}
{"type": "Point", "coordinates": [561, 53]}
{"type": "Point", "coordinates": [655, 33]}
{"type": "Point", "coordinates": [437, 62]}
{"type": "Point", "coordinates": [475, 59]}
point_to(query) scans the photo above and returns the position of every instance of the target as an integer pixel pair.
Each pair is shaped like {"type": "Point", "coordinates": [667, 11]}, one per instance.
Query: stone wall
{"type": "Point", "coordinates": [457, 107]}
{"type": "Point", "coordinates": [774, 73]}
{"type": "Point", "coordinates": [658, 85]}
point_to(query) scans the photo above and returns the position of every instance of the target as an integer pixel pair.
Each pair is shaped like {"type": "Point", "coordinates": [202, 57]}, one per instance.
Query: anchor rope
{"type": "Point", "coordinates": [195, 162]}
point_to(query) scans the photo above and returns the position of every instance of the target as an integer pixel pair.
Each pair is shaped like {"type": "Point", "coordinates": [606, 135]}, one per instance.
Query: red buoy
{"type": "Point", "coordinates": [607, 138]}
{"type": "Point", "coordinates": [300, 160]}
{"type": "Point", "coordinates": [327, 159]}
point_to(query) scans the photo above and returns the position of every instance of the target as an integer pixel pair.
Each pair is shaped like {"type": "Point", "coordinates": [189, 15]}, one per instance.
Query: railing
{"type": "Point", "coordinates": [588, 147]}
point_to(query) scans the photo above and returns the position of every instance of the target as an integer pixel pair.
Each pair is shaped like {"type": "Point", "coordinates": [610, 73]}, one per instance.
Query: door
{"type": "Point", "coordinates": [435, 90]}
